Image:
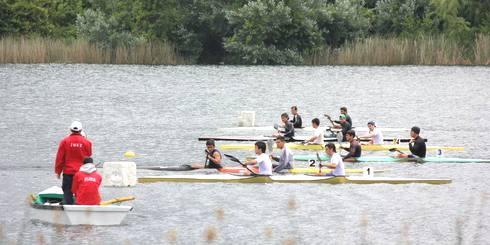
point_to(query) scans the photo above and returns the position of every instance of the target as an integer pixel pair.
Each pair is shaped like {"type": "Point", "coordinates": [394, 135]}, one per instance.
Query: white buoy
{"type": "Point", "coordinates": [119, 174]}
{"type": "Point", "coordinates": [247, 119]}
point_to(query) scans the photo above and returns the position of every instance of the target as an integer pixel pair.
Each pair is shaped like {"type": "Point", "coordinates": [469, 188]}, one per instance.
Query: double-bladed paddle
{"type": "Point", "coordinates": [234, 159]}
{"type": "Point", "coordinates": [396, 150]}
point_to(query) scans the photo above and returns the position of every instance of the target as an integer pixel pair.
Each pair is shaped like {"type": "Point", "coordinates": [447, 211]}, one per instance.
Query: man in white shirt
{"type": "Point", "coordinates": [335, 161]}
{"type": "Point", "coordinates": [317, 137]}
{"type": "Point", "coordinates": [263, 160]}
{"type": "Point", "coordinates": [374, 135]}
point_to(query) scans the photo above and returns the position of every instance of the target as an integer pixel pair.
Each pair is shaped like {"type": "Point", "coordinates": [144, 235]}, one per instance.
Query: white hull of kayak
{"type": "Point", "coordinates": [79, 214]}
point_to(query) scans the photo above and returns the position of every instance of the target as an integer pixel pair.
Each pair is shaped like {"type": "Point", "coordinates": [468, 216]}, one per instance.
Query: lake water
{"type": "Point", "coordinates": [160, 111]}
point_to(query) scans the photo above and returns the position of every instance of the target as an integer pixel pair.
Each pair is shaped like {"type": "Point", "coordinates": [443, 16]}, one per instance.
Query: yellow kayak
{"type": "Point", "coordinates": [384, 147]}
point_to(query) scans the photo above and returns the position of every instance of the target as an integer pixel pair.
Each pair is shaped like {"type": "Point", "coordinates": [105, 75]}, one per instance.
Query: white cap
{"type": "Point", "coordinates": [76, 126]}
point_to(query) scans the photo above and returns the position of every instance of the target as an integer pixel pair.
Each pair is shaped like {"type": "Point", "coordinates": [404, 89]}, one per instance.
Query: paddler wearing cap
{"type": "Point", "coordinates": [341, 123]}
{"type": "Point", "coordinates": [374, 135]}
{"type": "Point", "coordinates": [72, 151]}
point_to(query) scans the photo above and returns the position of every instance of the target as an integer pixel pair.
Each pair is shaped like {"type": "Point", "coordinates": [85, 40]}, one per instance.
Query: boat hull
{"type": "Point", "coordinates": [294, 146]}
{"type": "Point", "coordinates": [79, 214]}
{"type": "Point", "coordinates": [324, 157]}
{"type": "Point", "coordinates": [312, 179]}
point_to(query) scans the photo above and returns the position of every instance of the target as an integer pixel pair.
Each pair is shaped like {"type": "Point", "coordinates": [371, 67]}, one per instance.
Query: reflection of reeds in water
{"type": "Point", "coordinates": [45, 50]}
{"type": "Point", "coordinates": [40, 239]}
{"type": "Point", "coordinates": [364, 226]}
{"type": "Point", "coordinates": [211, 234]}
{"type": "Point", "coordinates": [171, 236]}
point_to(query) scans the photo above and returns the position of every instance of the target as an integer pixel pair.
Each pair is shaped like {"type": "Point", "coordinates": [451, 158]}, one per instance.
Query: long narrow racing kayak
{"type": "Point", "coordinates": [324, 157]}
{"type": "Point", "coordinates": [271, 128]}
{"type": "Point", "coordinates": [295, 139]}
{"type": "Point", "coordinates": [385, 147]}
{"type": "Point", "coordinates": [229, 178]}
{"type": "Point", "coordinates": [255, 169]}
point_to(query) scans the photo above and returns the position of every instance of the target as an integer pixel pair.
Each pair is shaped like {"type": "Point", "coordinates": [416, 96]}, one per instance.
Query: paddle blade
{"type": "Point", "coordinates": [393, 149]}
{"type": "Point", "coordinates": [232, 158]}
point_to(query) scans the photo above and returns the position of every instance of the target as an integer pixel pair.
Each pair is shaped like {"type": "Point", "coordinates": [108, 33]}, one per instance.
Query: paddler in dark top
{"type": "Point", "coordinates": [416, 145]}
{"type": "Point", "coordinates": [288, 131]}
{"type": "Point", "coordinates": [354, 148]}
{"type": "Point", "coordinates": [341, 123]}
{"type": "Point", "coordinates": [343, 110]}
{"type": "Point", "coordinates": [296, 121]}
{"type": "Point", "coordinates": [213, 156]}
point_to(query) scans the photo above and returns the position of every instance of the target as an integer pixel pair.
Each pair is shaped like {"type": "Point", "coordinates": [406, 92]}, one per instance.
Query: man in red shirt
{"type": "Point", "coordinates": [86, 184]}
{"type": "Point", "coordinates": [71, 152]}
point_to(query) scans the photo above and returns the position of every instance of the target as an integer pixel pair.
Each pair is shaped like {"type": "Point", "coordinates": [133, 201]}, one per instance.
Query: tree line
{"type": "Point", "coordinates": [244, 32]}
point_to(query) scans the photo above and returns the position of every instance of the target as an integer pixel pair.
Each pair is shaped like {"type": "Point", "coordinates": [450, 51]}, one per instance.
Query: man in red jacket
{"type": "Point", "coordinates": [86, 184]}
{"type": "Point", "coordinates": [71, 152]}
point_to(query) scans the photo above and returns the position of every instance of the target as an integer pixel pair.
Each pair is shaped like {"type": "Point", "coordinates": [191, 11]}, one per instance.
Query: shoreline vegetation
{"type": "Point", "coordinates": [246, 32]}
{"type": "Point", "coordinates": [369, 51]}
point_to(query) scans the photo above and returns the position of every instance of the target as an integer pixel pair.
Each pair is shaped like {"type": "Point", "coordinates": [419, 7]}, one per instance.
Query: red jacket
{"type": "Point", "coordinates": [71, 152]}
{"type": "Point", "coordinates": [85, 186]}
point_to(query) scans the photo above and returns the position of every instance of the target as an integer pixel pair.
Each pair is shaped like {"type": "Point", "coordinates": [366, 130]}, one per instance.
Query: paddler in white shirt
{"type": "Point", "coordinates": [262, 159]}
{"type": "Point", "coordinates": [335, 161]}
{"type": "Point", "coordinates": [317, 138]}
{"type": "Point", "coordinates": [374, 135]}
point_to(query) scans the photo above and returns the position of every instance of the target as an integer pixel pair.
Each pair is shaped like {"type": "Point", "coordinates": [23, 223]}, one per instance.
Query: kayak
{"type": "Point", "coordinates": [295, 139]}
{"type": "Point", "coordinates": [271, 128]}
{"type": "Point", "coordinates": [314, 179]}
{"type": "Point", "coordinates": [47, 207]}
{"type": "Point", "coordinates": [324, 157]}
{"type": "Point", "coordinates": [255, 169]}
{"type": "Point", "coordinates": [295, 146]}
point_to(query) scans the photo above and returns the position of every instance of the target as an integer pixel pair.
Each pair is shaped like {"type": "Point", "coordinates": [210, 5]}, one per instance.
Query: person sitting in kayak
{"type": "Point", "coordinates": [335, 161]}
{"type": "Point", "coordinates": [213, 156]}
{"type": "Point", "coordinates": [343, 110]}
{"type": "Point", "coordinates": [317, 138]}
{"type": "Point", "coordinates": [342, 123]}
{"type": "Point", "coordinates": [86, 183]}
{"type": "Point", "coordinates": [416, 145]}
{"type": "Point", "coordinates": [262, 159]}
{"type": "Point", "coordinates": [285, 159]}
{"type": "Point", "coordinates": [296, 121]}
{"type": "Point", "coordinates": [288, 131]}
{"type": "Point", "coordinates": [354, 148]}
{"type": "Point", "coordinates": [374, 134]}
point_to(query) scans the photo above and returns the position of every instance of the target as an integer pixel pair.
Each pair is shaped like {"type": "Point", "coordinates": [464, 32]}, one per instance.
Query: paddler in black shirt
{"type": "Point", "coordinates": [416, 145]}
{"type": "Point", "coordinates": [342, 123]}
{"type": "Point", "coordinates": [296, 121]}
{"type": "Point", "coordinates": [354, 148]}
{"type": "Point", "coordinates": [288, 131]}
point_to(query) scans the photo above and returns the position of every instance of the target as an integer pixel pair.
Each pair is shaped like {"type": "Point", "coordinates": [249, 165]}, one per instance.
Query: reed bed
{"type": "Point", "coordinates": [405, 51]}
{"type": "Point", "coordinates": [45, 50]}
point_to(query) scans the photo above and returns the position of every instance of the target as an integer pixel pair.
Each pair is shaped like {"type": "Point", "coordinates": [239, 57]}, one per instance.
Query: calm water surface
{"type": "Point", "coordinates": [159, 111]}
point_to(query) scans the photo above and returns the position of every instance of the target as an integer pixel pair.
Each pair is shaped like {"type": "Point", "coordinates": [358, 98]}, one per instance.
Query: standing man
{"type": "Point", "coordinates": [71, 152]}
{"type": "Point", "coordinates": [296, 121]}
{"type": "Point", "coordinates": [86, 183]}
{"type": "Point", "coordinates": [335, 161]}
{"type": "Point", "coordinates": [374, 135]}
{"type": "Point", "coordinates": [317, 138]}
{"type": "Point", "coordinates": [263, 160]}
{"type": "Point", "coordinates": [416, 145]}
{"type": "Point", "coordinates": [286, 158]}
{"type": "Point", "coordinates": [288, 131]}
{"type": "Point", "coordinates": [354, 148]}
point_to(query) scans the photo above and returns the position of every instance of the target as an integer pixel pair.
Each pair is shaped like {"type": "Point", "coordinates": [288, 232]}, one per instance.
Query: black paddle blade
{"type": "Point", "coordinates": [393, 149]}
{"type": "Point", "coordinates": [232, 158]}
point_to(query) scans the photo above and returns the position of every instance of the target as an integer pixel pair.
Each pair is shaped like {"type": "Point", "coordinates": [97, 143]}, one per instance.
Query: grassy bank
{"type": "Point", "coordinates": [44, 50]}
{"type": "Point", "coordinates": [404, 51]}
{"type": "Point", "coordinates": [368, 51]}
